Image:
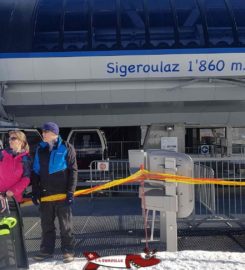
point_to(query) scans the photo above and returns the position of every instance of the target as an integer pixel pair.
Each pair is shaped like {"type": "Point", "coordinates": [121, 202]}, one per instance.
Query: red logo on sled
{"type": "Point", "coordinates": [121, 261]}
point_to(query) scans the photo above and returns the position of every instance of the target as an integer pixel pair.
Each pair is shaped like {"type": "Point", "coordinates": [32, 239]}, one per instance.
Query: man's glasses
{"type": "Point", "coordinates": [13, 138]}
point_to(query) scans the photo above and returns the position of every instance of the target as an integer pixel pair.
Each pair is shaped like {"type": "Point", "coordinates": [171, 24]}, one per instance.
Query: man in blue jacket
{"type": "Point", "coordinates": [54, 172]}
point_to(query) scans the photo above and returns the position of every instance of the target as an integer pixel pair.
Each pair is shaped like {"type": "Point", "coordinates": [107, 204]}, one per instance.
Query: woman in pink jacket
{"type": "Point", "coordinates": [15, 166]}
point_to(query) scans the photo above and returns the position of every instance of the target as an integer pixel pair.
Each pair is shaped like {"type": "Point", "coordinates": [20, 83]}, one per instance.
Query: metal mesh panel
{"type": "Point", "coordinates": [115, 226]}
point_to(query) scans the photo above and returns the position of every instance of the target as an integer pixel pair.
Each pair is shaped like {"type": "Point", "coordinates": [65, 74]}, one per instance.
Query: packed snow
{"type": "Point", "coordinates": [183, 260]}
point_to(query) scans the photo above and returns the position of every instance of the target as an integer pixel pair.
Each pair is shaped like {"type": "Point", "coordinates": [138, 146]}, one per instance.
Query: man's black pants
{"type": "Point", "coordinates": [48, 212]}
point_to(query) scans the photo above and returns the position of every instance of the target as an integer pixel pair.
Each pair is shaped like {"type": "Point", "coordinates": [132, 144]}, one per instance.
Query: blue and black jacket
{"type": "Point", "coordinates": [54, 171]}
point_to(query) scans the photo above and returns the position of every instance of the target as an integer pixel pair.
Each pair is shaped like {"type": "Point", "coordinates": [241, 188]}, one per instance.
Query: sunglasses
{"type": "Point", "coordinates": [13, 138]}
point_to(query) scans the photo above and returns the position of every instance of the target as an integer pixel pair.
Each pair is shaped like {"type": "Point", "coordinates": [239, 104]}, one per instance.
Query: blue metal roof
{"type": "Point", "coordinates": [105, 25]}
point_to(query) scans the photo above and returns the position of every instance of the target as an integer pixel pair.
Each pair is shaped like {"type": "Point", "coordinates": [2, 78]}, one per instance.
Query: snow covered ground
{"type": "Point", "coordinates": [183, 260]}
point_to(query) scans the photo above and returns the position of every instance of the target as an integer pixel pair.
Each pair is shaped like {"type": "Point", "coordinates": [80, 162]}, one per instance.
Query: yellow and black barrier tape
{"type": "Point", "coordinates": [142, 175]}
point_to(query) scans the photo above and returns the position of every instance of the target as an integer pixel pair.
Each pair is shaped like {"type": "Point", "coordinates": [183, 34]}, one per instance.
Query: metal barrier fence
{"type": "Point", "coordinates": [212, 202]}
{"type": "Point", "coordinates": [215, 202]}
{"type": "Point", "coordinates": [106, 171]}
{"type": "Point", "coordinates": [204, 194]}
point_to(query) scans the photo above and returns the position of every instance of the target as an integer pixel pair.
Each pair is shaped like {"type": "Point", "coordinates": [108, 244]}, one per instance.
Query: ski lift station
{"type": "Point", "coordinates": [149, 76]}
{"type": "Point", "coordinates": [151, 69]}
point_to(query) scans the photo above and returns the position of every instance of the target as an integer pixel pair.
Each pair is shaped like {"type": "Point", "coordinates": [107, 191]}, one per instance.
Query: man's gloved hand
{"type": "Point", "coordinates": [69, 198]}
{"type": "Point", "coordinates": [35, 197]}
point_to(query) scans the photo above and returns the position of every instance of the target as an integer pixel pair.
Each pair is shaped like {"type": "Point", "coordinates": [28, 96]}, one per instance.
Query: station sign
{"type": "Point", "coordinates": [123, 65]}
{"type": "Point", "coordinates": [169, 143]}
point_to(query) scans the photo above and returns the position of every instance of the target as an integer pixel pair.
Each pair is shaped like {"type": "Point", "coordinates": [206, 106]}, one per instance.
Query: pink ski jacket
{"type": "Point", "coordinates": [14, 172]}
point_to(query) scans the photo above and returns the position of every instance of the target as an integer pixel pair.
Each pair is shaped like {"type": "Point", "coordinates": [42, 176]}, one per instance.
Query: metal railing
{"type": "Point", "coordinates": [212, 202]}
{"type": "Point", "coordinates": [112, 170]}
{"type": "Point", "coordinates": [204, 194]}
{"type": "Point", "coordinates": [220, 202]}
{"type": "Point", "coordinates": [238, 150]}
{"type": "Point", "coordinates": [215, 151]}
